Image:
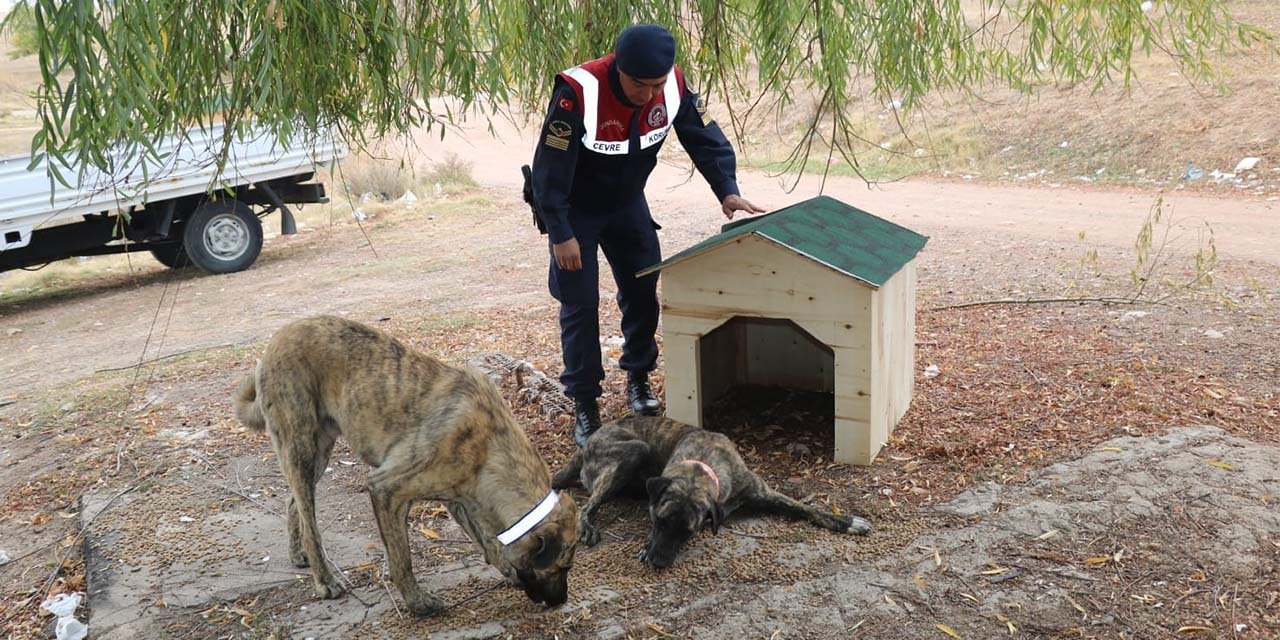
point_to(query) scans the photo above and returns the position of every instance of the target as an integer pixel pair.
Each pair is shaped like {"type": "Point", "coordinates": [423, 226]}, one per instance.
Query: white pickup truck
{"type": "Point", "coordinates": [182, 207]}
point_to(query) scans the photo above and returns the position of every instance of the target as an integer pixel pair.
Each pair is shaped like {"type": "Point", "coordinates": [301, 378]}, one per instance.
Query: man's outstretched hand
{"type": "Point", "coordinates": [734, 203]}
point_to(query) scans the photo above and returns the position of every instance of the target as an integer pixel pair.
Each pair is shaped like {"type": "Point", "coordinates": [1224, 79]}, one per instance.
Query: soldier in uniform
{"type": "Point", "coordinates": [605, 124]}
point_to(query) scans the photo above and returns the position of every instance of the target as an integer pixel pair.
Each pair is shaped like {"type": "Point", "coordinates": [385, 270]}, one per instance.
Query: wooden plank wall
{"type": "Point", "coordinates": [723, 360]}
{"type": "Point", "coordinates": [893, 353]}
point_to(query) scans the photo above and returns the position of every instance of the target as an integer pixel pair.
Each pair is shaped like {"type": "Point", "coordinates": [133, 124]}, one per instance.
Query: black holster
{"type": "Point", "coordinates": [528, 198]}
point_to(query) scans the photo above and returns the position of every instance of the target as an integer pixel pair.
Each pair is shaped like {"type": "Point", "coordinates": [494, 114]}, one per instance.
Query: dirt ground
{"type": "Point", "coordinates": [141, 473]}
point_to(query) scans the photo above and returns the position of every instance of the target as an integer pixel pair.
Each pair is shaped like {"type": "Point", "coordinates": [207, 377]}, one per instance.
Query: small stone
{"type": "Point", "coordinates": [1214, 334]}
{"type": "Point", "coordinates": [798, 449]}
{"type": "Point", "coordinates": [13, 331]}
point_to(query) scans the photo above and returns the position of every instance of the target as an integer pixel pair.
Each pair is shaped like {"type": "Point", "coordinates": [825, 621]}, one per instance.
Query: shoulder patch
{"type": "Point", "coordinates": [566, 104]}
{"type": "Point", "coordinates": [559, 129]}
{"type": "Point", "coordinates": [560, 144]}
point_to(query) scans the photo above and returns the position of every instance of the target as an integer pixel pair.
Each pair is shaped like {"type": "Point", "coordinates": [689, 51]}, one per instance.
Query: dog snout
{"type": "Point", "coordinates": [558, 591]}
{"type": "Point", "coordinates": [659, 555]}
{"type": "Point", "coordinates": [552, 591]}
{"type": "Point", "coordinates": [552, 594]}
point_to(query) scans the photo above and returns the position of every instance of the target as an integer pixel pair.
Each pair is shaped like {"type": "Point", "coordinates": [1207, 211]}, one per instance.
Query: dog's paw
{"type": "Point", "coordinates": [424, 605]}
{"type": "Point", "coordinates": [298, 558]}
{"type": "Point", "coordinates": [857, 526]}
{"type": "Point", "coordinates": [328, 590]}
{"type": "Point", "coordinates": [563, 481]}
{"type": "Point", "coordinates": [588, 535]}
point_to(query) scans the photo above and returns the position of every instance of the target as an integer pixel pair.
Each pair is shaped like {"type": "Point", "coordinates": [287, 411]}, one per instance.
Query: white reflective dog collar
{"type": "Point", "coordinates": [530, 520]}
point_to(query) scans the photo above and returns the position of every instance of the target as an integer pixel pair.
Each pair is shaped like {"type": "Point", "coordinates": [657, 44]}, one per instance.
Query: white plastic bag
{"type": "Point", "coordinates": [64, 606]}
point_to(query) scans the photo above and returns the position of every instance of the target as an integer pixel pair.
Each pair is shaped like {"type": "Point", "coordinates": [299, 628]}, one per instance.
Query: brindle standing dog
{"type": "Point", "coordinates": [431, 431]}
{"type": "Point", "coordinates": [694, 479]}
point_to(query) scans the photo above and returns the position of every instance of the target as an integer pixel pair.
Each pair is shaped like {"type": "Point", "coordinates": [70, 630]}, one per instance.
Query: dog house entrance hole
{"type": "Point", "coordinates": [749, 353]}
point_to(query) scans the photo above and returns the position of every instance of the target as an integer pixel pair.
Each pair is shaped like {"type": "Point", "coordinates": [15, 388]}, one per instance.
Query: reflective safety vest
{"type": "Point", "coordinates": [607, 120]}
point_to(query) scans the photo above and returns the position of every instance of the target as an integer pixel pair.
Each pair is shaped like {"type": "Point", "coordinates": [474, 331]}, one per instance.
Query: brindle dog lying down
{"type": "Point", "coordinates": [694, 479]}
{"type": "Point", "coordinates": [430, 431]}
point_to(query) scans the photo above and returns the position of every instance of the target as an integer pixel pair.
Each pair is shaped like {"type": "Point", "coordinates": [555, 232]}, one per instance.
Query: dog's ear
{"type": "Point", "coordinates": [717, 516]}
{"type": "Point", "coordinates": [548, 551]}
{"type": "Point", "coordinates": [656, 486]}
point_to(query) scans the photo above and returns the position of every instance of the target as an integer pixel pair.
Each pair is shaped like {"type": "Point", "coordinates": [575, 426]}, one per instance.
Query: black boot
{"type": "Point", "coordinates": [586, 419]}
{"type": "Point", "coordinates": [639, 396]}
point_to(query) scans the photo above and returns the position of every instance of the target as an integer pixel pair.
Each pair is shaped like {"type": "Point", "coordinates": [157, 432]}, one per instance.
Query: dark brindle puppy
{"type": "Point", "coordinates": [431, 431]}
{"type": "Point", "coordinates": [694, 479]}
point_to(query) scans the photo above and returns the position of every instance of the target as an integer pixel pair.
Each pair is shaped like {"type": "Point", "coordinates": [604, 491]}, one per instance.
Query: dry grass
{"type": "Point", "coordinates": [18, 79]}
{"type": "Point", "coordinates": [452, 172]}
{"type": "Point", "coordinates": [382, 178]}
{"type": "Point", "coordinates": [1146, 135]}
{"type": "Point", "coordinates": [20, 283]}
{"type": "Point", "coordinates": [365, 176]}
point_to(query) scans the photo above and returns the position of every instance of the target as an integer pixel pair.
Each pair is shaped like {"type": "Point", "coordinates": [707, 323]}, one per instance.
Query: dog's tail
{"type": "Point", "coordinates": [247, 409]}
{"type": "Point", "coordinates": [569, 476]}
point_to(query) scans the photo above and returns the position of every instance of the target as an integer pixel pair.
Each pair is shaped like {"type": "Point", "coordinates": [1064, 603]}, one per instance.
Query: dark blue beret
{"type": "Point", "coordinates": [646, 51]}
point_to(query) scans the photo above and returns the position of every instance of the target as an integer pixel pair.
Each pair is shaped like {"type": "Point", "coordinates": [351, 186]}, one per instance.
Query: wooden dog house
{"type": "Point", "coordinates": [818, 296]}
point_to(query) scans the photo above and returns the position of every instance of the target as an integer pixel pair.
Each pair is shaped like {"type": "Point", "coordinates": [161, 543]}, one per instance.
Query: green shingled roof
{"type": "Point", "coordinates": [828, 231]}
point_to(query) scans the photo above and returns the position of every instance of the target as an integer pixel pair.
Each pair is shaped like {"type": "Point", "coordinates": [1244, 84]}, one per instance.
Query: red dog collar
{"type": "Point", "coordinates": [711, 472]}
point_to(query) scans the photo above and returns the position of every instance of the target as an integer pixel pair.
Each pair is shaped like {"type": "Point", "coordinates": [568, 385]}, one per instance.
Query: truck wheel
{"type": "Point", "coordinates": [171, 255]}
{"type": "Point", "coordinates": [222, 236]}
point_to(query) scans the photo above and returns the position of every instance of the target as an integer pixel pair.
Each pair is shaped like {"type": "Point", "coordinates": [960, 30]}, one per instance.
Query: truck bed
{"type": "Point", "coordinates": [187, 167]}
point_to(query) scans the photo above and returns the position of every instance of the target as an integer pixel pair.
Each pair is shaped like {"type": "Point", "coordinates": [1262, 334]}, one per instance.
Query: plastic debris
{"type": "Point", "coordinates": [409, 196]}
{"type": "Point", "coordinates": [360, 215]}
{"type": "Point", "coordinates": [1148, 5]}
{"type": "Point", "coordinates": [64, 606]}
{"type": "Point", "coordinates": [1215, 334]}
{"type": "Point", "coordinates": [1193, 173]}
{"type": "Point", "coordinates": [1221, 177]}
{"type": "Point", "coordinates": [1246, 164]}
{"type": "Point", "coordinates": [932, 371]}
{"type": "Point", "coordinates": [1133, 315]}
{"type": "Point", "coordinates": [4, 557]}
{"type": "Point", "coordinates": [186, 519]}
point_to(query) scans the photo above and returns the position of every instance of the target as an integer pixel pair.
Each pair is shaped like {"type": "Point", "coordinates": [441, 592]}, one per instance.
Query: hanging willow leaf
{"type": "Point", "coordinates": [118, 75]}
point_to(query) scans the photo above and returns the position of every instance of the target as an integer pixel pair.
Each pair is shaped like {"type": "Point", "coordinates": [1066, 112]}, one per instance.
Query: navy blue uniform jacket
{"type": "Point", "coordinates": [569, 175]}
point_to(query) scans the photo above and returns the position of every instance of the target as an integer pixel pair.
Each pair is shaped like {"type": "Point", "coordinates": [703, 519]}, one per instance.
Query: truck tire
{"type": "Point", "coordinates": [170, 255]}
{"type": "Point", "coordinates": [222, 236]}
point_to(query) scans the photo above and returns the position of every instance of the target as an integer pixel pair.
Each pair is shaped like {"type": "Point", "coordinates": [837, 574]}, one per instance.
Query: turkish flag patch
{"type": "Point", "coordinates": [566, 104]}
